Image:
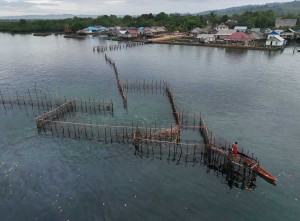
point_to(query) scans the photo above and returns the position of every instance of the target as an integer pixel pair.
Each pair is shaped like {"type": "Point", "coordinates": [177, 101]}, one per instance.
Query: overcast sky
{"type": "Point", "coordinates": [117, 7]}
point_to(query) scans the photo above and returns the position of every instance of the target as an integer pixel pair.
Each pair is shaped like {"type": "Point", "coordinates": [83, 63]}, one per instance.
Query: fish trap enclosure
{"type": "Point", "coordinates": [178, 136]}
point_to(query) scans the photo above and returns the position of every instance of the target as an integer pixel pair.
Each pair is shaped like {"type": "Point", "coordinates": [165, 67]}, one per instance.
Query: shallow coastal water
{"type": "Point", "coordinates": [247, 96]}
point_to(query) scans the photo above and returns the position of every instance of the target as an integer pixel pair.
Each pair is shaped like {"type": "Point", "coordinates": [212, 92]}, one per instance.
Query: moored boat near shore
{"type": "Point", "coordinates": [75, 36]}
{"type": "Point", "coordinates": [42, 34]}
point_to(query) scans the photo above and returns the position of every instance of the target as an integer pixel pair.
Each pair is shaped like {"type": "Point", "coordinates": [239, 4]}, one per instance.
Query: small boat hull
{"type": "Point", "coordinates": [249, 163]}
{"type": "Point", "coordinates": [260, 170]}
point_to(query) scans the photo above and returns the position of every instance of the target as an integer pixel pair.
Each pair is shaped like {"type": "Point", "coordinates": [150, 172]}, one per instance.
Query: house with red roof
{"type": "Point", "coordinates": [238, 38]}
{"type": "Point", "coordinates": [133, 33]}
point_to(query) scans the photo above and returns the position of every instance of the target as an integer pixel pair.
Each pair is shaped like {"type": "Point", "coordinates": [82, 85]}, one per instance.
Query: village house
{"type": "Point", "coordinates": [258, 39]}
{"type": "Point", "coordinates": [151, 31]}
{"type": "Point", "coordinates": [298, 35]}
{"type": "Point", "coordinates": [285, 22]}
{"type": "Point", "coordinates": [222, 26]}
{"type": "Point", "coordinates": [196, 31]}
{"type": "Point", "coordinates": [231, 23]}
{"type": "Point", "coordinates": [92, 30]}
{"type": "Point", "coordinates": [275, 32]}
{"type": "Point", "coordinates": [128, 34]}
{"type": "Point", "coordinates": [258, 30]}
{"type": "Point", "coordinates": [161, 30]}
{"type": "Point", "coordinates": [140, 30]}
{"type": "Point", "coordinates": [241, 28]}
{"type": "Point", "coordinates": [238, 38]}
{"type": "Point", "coordinates": [288, 34]}
{"type": "Point", "coordinates": [113, 30]}
{"type": "Point", "coordinates": [274, 40]}
{"type": "Point", "coordinates": [222, 34]}
{"type": "Point", "coordinates": [206, 38]}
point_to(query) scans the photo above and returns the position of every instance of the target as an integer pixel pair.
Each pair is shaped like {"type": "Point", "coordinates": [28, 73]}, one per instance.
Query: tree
{"type": "Point", "coordinates": [213, 18]}
{"type": "Point", "coordinates": [161, 16]}
{"type": "Point", "coordinates": [23, 22]}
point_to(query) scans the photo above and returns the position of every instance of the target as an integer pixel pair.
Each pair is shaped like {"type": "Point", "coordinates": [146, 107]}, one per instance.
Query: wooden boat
{"type": "Point", "coordinates": [41, 34]}
{"type": "Point", "coordinates": [260, 170]}
{"type": "Point", "coordinates": [75, 36]}
{"type": "Point", "coordinates": [246, 160]}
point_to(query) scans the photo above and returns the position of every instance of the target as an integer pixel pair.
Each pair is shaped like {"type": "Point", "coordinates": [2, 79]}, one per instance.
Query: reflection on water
{"type": "Point", "coordinates": [251, 97]}
{"type": "Point", "coordinates": [235, 52]}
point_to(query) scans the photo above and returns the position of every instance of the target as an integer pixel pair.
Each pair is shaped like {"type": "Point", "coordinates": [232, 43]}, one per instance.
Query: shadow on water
{"type": "Point", "coordinates": [231, 174]}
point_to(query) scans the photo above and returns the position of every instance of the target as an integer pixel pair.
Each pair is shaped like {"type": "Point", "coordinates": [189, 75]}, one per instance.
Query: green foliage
{"type": "Point", "coordinates": [280, 9]}
{"type": "Point", "coordinates": [261, 19]}
{"type": "Point", "coordinates": [173, 22]}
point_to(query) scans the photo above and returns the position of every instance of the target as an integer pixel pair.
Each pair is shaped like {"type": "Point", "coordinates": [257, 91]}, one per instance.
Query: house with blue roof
{"type": "Point", "coordinates": [92, 30]}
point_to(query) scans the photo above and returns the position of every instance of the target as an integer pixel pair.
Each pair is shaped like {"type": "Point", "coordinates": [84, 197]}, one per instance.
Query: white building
{"type": "Point", "coordinates": [241, 28]}
{"type": "Point", "coordinates": [206, 38]}
{"type": "Point", "coordinates": [275, 41]}
{"type": "Point", "coordinates": [222, 26]}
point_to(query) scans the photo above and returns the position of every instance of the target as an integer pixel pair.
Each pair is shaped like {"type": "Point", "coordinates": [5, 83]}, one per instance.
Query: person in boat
{"type": "Point", "coordinates": [235, 148]}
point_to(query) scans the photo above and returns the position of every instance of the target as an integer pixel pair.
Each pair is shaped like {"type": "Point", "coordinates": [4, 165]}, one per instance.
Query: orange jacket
{"type": "Point", "coordinates": [235, 148]}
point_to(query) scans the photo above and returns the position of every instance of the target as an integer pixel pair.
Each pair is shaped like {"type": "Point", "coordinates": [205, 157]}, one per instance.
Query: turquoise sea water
{"type": "Point", "coordinates": [247, 96]}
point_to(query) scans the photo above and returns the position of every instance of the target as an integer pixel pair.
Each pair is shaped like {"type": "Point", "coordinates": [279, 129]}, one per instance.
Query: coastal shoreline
{"type": "Point", "coordinates": [215, 45]}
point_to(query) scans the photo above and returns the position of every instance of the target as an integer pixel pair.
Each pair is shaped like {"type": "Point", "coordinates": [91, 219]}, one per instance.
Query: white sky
{"type": "Point", "coordinates": [117, 7]}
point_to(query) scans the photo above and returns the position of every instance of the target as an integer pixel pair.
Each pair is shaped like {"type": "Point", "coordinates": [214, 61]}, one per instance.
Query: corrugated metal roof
{"type": "Point", "coordinates": [238, 36]}
{"type": "Point", "coordinates": [205, 36]}
{"type": "Point", "coordinates": [240, 27]}
{"type": "Point", "coordinates": [276, 37]}
{"type": "Point", "coordinates": [225, 32]}
{"type": "Point", "coordinates": [96, 28]}
{"type": "Point", "coordinates": [197, 30]}
{"type": "Point", "coordinates": [133, 32]}
{"type": "Point", "coordinates": [274, 33]}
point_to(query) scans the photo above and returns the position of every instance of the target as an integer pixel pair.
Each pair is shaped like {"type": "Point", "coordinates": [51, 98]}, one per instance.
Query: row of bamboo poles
{"type": "Point", "coordinates": [157, 86]}
{"type": "Point", "coordinates": [31, 98]}
{"type": "Point", "coordinates": [72, 106]}
{"type": "Point", "coordinates": [105, 48]}
{"type": "Point", "coordinates": [120, 86]}
{"type": "Point", "coordinates": [173, 105]}
{"type": "Point", "coordinates": [144, 139]}
{"type": "Point", "coordinates": [149, 141]}
{"type": "Point", "coordinates": [45, 102]}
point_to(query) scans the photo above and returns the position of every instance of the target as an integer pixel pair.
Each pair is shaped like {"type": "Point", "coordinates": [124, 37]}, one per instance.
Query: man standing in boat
{"type": "Point", "coordinates": [235, 148]}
